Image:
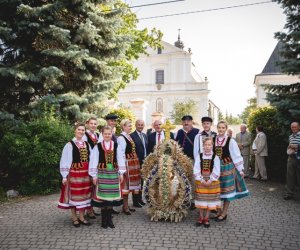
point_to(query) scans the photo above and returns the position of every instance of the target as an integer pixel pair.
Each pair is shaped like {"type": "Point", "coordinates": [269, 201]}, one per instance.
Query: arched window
{"type": "Point", "coordinates": [159, 50]}
{"type": "Point", "coordinates": [159, 105]}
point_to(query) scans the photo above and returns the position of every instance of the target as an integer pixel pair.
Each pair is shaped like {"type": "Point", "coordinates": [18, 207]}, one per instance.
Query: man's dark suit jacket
{"type": "Point", "coordinates": [152, 140]}
{"type": "Point", "coordinates": [139, 148]}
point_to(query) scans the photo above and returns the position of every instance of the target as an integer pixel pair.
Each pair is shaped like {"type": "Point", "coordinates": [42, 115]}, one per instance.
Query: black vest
{"type": "Point", "coordinates": [209, 163]}
{"type": "Point", "coordinates": [90, 140]}
{"type": "Point", "coordinates": [187, 143]}
{"type": "Point", "coordinates": [102, 159]}
{"type": "Point", "coordinates": [80, 155]}
{"type": "Point", "coordinates": [222, 151]}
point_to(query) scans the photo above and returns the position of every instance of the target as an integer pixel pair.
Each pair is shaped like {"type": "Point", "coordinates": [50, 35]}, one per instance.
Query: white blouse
{"type": "Point", "coordinates": [215, 172]}
{"type": "Point", "coordinates": [121, 157]}
{"type": "Point", "coordinates": [67, 158]}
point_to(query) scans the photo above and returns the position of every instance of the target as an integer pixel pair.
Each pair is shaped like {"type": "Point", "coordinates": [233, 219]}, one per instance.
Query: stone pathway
{"type": "Point", "coordinates": [262, 221]}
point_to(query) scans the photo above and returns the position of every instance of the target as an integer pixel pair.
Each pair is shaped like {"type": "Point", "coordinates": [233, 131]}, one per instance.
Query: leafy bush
{"type": "Point", "coordinates": [277, 143]}
{"type": "Point", "coordinates": [31, 152]}
{"type": "Point", "coordinates": [123, 113]}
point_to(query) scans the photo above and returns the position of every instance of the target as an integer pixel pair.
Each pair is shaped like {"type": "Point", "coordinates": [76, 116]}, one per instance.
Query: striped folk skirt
{"type": "Point", "coordinates": [207, 197]}
{"type": "Point", "coordinates": [77, 192]}
{"type": "Point", "coordinates": [108, 189]}
{"type": "Point", "coordinates": [132, 178]}
{"type": "Point", "coordinates": [232, 184]}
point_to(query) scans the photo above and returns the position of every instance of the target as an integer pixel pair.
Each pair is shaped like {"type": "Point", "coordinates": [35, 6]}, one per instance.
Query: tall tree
{"type": "Point", "coordinates": [69, 53]}
{"type": "Point", "coordinates": [181, 108]}
{"type": "Point", "coordinates": [286, 98]}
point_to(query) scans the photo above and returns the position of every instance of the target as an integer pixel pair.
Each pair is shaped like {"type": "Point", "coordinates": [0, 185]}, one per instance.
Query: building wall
{"type": "Point", "coordinates": [274, 79]}
{"type": "Point", "coordinates": [181, 82]}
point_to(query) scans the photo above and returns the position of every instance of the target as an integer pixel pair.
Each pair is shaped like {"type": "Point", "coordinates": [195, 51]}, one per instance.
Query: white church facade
{"type": "Point", "coordinates": [166, 76]}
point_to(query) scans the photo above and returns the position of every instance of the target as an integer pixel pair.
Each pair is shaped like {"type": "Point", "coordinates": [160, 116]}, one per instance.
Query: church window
{"type": "Point", "coordinates": [159, 105]}
{"type": "Point", "coordinates": [159, 50]}
{"type": "Point", "coordinates": [159, 77]}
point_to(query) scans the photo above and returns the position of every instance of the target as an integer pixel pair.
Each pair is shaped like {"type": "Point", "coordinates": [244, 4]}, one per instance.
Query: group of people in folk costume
{"type": "Point", "coordinates": [101, 169]}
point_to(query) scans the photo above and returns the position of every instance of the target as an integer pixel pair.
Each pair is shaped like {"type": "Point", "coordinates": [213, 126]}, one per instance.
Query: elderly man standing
{"type": "Point", "coordinates": [141, 144]}
{"type": "Point", "coordinates": [243, 140]}
{"type": "Point", "coordinates": [293, 164]}
{"type": "Point", "coordinates": [260, 149]}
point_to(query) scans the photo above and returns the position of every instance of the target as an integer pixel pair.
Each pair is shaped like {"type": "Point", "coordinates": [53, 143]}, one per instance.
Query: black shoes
{"type": "Point", "coordinates": [84, 222]}
{"type": "Point", "coordinates": [114, 211]}
{"type": "Point", "coordinates": [137, 204]}
{"type": "Point", "coordinates": [76, 223]}
{"type": "Point", "coordinates": [288, 197]}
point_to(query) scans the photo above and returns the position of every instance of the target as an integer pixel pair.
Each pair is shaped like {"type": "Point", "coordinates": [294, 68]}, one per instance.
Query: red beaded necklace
{"type": "Point", "coordinates": [220, 142]}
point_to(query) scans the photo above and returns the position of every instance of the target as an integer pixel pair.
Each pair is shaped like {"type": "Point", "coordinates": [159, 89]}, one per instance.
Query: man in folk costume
{"type": "Point", "coordinates": [111, 120]}
{"type": "Point", "coordinates": [185, 138]}
{"type": "Point", "coordinates": [206, 124]}
{"type": "Point", "coordinates": [158, 136]}
{"type": "Point", "coordinates": [129, 165]}
{"type": "Point", "coordinates": [141, 145]}
{"type": "Point", "coordinates": [106, 177]}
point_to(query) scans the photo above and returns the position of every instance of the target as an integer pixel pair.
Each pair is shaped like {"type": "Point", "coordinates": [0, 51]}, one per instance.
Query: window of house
{"type": "Point", "coordinates": [159, 77]}
{"type": "Point", "coordinates": [159, 50]}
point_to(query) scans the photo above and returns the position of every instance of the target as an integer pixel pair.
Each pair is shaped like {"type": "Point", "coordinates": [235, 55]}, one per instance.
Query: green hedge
{"type": "Point", "coordinates": [277, 143]}
{"type": "Point", "coordinates": [30, 154]}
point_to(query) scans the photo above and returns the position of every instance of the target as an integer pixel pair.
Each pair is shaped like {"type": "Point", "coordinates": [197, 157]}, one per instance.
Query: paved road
{"type": "Point", "coordinates": [262, 221]}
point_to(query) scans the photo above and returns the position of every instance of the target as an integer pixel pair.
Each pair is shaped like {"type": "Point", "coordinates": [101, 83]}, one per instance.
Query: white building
{"type": "Point", "coordinates": [167, 75]}
{"type": "Point", "coordinates": [271, 74]}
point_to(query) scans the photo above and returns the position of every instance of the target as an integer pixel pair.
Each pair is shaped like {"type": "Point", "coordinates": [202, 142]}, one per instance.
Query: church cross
{"type": "Point", "coordinates": [168, 127]}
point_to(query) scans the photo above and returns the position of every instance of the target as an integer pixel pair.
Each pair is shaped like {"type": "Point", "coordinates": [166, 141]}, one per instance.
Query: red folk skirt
{"type": "Point", "coordinates": [77, 192]}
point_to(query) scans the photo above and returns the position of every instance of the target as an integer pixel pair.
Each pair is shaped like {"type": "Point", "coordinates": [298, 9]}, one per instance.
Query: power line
{"type": "Point", "coordinates": [207, 10]}
{"type": "Point", "coordinates": [151, 4]}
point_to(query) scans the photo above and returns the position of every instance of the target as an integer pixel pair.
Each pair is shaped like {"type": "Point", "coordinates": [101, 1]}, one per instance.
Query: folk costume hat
{"type": "Point", "coordinates": [111, 117]}
{"type": "Point", "coordinates": [187, 117]}
{"type": "Point", "coordinates": [206, 119]}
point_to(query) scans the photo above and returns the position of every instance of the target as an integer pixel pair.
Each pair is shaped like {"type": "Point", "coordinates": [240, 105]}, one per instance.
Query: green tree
{"type": "Point", "coordinates": [290, 37]}
{"type": "Point", "coordinates": [252, 105]}
{"type": "Point", "coordinates": [71, 54]}
{"type": "Point", "coordinates": [286, 98]}
{"type": "Point", "coordinates": [181, 108]}
{"type": "Point", "coordinates": [230, 119]}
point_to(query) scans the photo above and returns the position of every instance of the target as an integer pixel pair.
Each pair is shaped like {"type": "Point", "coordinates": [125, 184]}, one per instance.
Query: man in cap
{"type": "Point", "coordinates": [206, 124]}
{"type": "Point", "coordinates": [185, 136]}
{"type": "Point", "coordinates": [111, 120]}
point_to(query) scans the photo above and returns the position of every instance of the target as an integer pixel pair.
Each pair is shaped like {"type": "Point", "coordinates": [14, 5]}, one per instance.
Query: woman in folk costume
{"type": "Point", "coordinates": [232, 181]}
{"type": "Point", "coordinates": [92, 137]}
{"type": "Point", "coordinates": [129, 165]}
{"type": "Point", "coordinates": [74, 166]}
{"type": "Point", "coordinates": [106, 177]}
{"type": "Point", "coordinates": [207, 191]}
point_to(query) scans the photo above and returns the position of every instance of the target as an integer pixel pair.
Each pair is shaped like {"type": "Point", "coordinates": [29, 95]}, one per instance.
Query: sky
{"type": "Point", "coordinates": [229, 46]}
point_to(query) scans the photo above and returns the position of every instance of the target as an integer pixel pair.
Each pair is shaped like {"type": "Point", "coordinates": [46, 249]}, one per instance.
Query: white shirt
{"type": "Point", "coordinates": [215, 174]}
{"type": "Point", "coordinates": [198, 145]}
{"type": "Point", "coordinates": [67, 158]}
{"type": "Point", "coordinates": [162, 137]}
{"type": "Point", "coordinates": [121, 157]}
